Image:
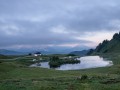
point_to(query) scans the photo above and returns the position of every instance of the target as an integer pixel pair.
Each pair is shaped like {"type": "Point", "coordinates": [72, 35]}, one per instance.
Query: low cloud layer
{"type": "Point", "coordinates": [44, 23]}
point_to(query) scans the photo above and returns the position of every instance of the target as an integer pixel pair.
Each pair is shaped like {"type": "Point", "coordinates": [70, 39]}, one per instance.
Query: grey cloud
{"type": "Point", "coordinates": [35, 18]}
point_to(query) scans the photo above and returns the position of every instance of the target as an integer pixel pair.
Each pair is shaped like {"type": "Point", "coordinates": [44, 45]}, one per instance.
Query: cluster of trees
{"type": "Point", "coordinates": [116, 36]}
{"type": "Point", "coordinates": [71, 55]}
{"type": "Point", "coordinates": [56, 62]}
{"type": "Point", "coordinates": [90, 51]}
{"type": "Point", "coordinates": [101, 45]}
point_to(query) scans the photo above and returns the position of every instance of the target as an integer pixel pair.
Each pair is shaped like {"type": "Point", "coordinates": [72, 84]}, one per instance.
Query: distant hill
{"type": "Point", "coordinates": [112, 46]}
{"type": "Point", "coordinates": [62, 50]}
{"type": "Point", "coordinates": [6, 57]}
{"type": "Point", "coordinates": [80, 53]}
{"type": "Point", "coordinates": [3, 56]}
{"type": "Point", "coordinates": [10, 52]}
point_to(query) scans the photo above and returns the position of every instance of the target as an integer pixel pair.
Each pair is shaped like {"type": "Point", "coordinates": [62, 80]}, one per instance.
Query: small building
{"type": "Point", "coordinates": [37, 54]}
{"type": "Point", "coordinates": [70, 57]}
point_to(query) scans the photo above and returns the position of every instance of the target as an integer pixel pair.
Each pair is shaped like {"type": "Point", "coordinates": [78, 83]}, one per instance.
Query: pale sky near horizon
{"type": "Point", "coordinates": [57, 23]}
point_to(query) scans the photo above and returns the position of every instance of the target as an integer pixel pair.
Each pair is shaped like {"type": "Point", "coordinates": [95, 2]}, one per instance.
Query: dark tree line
{"type": "Point", "coordinates": [101, 45]}
{"type": "Point", "coordinates": [116, 36]}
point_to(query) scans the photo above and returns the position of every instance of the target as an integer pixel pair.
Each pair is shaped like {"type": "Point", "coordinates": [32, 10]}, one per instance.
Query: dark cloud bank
{"type": "Point", "coordinates": [46, 23]}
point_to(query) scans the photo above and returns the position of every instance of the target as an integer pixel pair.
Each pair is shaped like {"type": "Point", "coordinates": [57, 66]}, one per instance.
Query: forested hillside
{"type": "Point", "coordinates": [112, 46]}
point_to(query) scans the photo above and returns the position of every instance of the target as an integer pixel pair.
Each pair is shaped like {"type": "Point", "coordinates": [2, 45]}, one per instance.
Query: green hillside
{"type": "Point", "coordinates": [112, 46]}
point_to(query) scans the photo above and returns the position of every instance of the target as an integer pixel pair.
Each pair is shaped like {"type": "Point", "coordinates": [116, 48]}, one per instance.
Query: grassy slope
{"type": "Point", "coordinates": [16, 76]}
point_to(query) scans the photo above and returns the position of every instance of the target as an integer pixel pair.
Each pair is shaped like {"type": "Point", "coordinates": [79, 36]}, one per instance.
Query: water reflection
{"type": "Point", "coordinates": [86, 62]}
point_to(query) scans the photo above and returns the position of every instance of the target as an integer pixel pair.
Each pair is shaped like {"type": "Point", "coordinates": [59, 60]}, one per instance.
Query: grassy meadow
{"type": "Point", "coordinates": [16, 75]}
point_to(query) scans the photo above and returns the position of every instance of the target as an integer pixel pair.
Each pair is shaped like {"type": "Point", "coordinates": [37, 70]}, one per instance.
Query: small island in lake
{"type": "Point", "coordinates": [55, 61]}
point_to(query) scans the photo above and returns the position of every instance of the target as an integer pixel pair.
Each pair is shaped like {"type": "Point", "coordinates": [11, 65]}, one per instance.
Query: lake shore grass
{"type": "Point", "coordinates": [15, 75]}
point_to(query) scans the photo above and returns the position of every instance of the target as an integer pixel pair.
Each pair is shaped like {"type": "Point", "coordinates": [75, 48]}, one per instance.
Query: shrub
{"type": "Point", "coordinates": [83, 77]}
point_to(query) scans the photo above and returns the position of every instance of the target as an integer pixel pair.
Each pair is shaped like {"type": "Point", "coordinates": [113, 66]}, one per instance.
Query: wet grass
{"type": "Point", "coordinates": [15, 75]}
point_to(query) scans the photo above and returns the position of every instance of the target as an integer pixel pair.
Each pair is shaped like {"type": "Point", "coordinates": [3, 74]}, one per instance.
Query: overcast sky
{"type": "Point", "coordinates": [57, 23]}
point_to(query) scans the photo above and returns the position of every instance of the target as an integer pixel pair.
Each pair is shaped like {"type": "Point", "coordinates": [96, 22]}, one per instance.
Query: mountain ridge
{"type": "Point", "coordinates": [112, 46]}
{"type": "Point", "coordinates": [80, 53]}
{"type": "Point", "coordinates": [10, 52]}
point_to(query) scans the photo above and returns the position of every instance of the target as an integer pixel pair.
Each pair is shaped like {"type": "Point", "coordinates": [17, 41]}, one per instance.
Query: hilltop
{"type": "Point", "coordinates": [112, 46]}
{"type": "Point", "coordinates": [10, 52]}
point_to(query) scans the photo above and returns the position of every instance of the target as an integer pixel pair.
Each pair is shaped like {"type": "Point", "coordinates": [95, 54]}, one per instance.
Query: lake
{"type": "Point", "coordinates": [86, 62]}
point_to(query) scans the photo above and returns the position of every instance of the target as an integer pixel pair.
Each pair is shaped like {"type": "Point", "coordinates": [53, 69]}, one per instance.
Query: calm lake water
{"type": "Point", "coordinates": [86, 62]}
